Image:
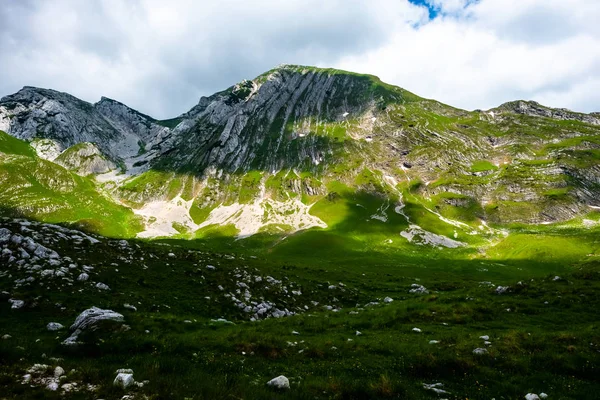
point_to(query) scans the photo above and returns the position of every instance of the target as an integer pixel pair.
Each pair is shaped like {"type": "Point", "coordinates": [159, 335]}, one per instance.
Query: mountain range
{"type": "Point", "coordinates": [299, 148]}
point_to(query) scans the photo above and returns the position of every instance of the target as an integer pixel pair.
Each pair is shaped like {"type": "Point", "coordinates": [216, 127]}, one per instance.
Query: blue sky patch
{"type": "Point", "coordinates": [433, 11]}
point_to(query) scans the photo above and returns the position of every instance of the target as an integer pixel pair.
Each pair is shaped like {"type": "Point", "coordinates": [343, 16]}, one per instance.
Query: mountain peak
{"type": "Point", "coordinates": [534, 109]}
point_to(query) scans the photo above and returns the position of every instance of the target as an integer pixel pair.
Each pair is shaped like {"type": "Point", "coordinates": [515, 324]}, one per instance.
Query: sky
{"type": "Point", "coordinates": [160, 57]}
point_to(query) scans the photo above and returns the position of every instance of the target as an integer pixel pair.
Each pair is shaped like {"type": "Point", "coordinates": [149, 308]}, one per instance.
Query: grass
{"type": "Point", "coordinates": [482, 166]}
{"type": "Point", "coordinates": [536, 346]}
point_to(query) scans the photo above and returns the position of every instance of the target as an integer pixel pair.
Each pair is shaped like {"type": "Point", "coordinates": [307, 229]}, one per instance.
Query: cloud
{"type": "Point", "coordinates": [160, 57]}
{"type": "Point", "coordinates": [494, 51]}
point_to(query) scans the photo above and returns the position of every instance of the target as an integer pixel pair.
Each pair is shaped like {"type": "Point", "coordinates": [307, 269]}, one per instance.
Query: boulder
{"type": "Point", "coordinates": [281, 382]}
{"type": "Point", "coordinates": [90, 320]}
{"type": "Point", "coordinates": [124, 380]}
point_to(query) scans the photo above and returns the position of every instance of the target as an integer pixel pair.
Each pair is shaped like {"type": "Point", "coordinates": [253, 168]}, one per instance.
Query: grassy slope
{"type": "Point", "coordinates": [535, 346]}
{"type": "Point", "coordinates": [40, 189]}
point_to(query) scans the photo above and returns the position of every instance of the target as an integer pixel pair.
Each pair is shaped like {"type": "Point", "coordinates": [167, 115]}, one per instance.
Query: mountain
{"type": "Point", "coordinates": [302, 147]}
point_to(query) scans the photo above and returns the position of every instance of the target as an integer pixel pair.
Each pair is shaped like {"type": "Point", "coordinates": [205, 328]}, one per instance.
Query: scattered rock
{"type": "Point", "coordinates": [54, 326]}
{"type": "Point", "coordinates": [502, 289]}
{"type": "Point", "coordinates": [281, 382]}
{"type": "Point", "coordinates": [419, 289]}
{"type": "Point", "coordinates": [484, 337]}
{"type": "Point", "coordinates": [124, 380]}
{"type": "Point", "coordinates": [436, 387]}
{"type": "Point", "coordinates": [102, 286]}
{"type": "Point", "coordinates": [58, 372]}
{"type": "Point", "coordinates": [16, 304]}
{"type": "Point", "coordinates": [480, 351]}
{"type": "Point", "coordinates": [532, 396]}
{"type": "Point", "coordinates": [388, 300]}
{"type": "Point", "coordinates": [416, 330]}
{"type": "Point", "coordinates": [83, 277]}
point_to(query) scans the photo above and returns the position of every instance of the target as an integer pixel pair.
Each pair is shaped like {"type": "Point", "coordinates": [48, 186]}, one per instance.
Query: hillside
{"type": "Point", "coordinates": [302, 147]}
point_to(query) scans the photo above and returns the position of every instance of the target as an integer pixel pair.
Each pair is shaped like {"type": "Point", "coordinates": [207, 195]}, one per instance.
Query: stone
{"type": "Point", "coordinates": [502, 289]}
{"type": "Point", "coordinates": [16, 304]}
{"type": "Point", "coordinates": [124, 380]}
{"type": "Point", "coordinates": [58, 372]}
{"type": "Point", "coordinates": [88, 320]}
{"type": "Point", "coordinates": [388, 300]}
{"type": "Point", "coordinates": [281, 382]}
{"type": "Point", "coordinates": [54, 326]}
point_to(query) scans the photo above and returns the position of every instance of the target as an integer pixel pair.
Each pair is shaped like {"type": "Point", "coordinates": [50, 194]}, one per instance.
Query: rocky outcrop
{"type": "Point", "coordinates": [535, 109]}
{"type": "Point", "coordinates": [90, 320]}
{"type": "Point", "coordinates": [118, 131]}
{"type": "Point", "coordinates": [85, 159]}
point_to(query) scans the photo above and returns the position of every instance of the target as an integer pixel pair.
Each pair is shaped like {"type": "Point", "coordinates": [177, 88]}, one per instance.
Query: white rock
{"type": "Point", "coordinates": [83, 277]}
{"type": "Point", "coordinates": [388, 300]}
{"type": "Point", "coordinates": [484, 337]}
{"type": "Point", "coordinates": [124, 371]}
{"type": "Point", "coordinates": [58, 372]}
{"type": "Point", "coordinates": [502, 289]}
{"type": "Point", "coordinates": [543, 395]}
{"type": "Point", "coordinates": [434, 341]}
{"type": "Point", "coordinates": [419, 289]}
{"type": "Point", "coordinates": [435, 387]}
{"type": "Point", "coordinates": [54, 326]}
{"type": "Point", "coordinates": [6, 337]}
{"type": "Point", "coordinates": [479, 351]}
{"type": "Point", "coordinates": [358, 333]}
{"type": "Point", "coordinates": [532, 396]}
{"type": "Point", "coordinates": [88, 320]}
{"type": "Point", "coordinates": [281, 382]}
{"type": "Point", "coordinates": [52, 385]}
{"type": "Point", "coordinates": [129, 307]}
{"type": "Point", "coordinates": [124, 380]}
{"type": "Point", "coordinates": [557, 278]}
{"type": "Point", "coordinates": [416, 330]}
{"type": "Point", "coordinates": [16, 304]}
{"type": "Point", "coordinates": [102, 286]}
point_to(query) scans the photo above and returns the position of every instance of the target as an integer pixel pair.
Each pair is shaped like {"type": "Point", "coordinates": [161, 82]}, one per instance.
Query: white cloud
{"type": "Point", "coordinates": [160, 57]}
{"type": "Point", "coordinates": [491, 52]}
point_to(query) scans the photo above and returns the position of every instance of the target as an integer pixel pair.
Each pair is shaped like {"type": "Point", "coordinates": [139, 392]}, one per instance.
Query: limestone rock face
{"type": "Point", "coordinates": [64, 121]}
{"type": "Point", "coordinates": [85, 159]}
